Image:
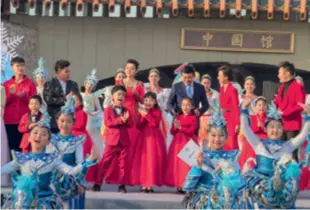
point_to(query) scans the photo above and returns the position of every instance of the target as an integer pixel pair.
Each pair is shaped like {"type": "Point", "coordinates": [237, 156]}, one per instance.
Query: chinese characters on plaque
{"type": "Point", "coordinates": [243, 41]}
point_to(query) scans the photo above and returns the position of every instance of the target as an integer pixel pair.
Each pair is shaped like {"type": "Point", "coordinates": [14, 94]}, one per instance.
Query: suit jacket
{"type": "Point", "coordinates": [55, 97]}
{"type": "Point", "coordinates": [178, 92]}
{"type": "Point", "coordinates": [116, 131]}
{"type": "Point", "coordinates": [292, 119]}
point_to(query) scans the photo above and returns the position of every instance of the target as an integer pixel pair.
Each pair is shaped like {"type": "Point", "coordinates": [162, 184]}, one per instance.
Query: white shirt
{"type": "Point", "coordinates": [63, 85]}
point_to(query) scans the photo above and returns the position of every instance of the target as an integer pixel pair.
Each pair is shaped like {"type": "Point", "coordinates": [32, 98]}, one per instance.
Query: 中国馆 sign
{"type": "Point", "coordinates": [237, 40]}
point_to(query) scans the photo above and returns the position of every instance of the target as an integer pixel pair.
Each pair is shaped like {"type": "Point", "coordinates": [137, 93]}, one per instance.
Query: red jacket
{"type": "Point", "coordinates": [292, 119]}
{"type": "Point", "coordinates": [16, 106]}
{"type": "Point", "coordinates": [229, 102]}
{"type": "Point", "coordinates": [79, 127]}
{"type": "Point", "coordinates": [23, 128]}
{"type": "Point", "coordinates": [116, 131]}
{"type": "Point", "coordinates": [258, 130]}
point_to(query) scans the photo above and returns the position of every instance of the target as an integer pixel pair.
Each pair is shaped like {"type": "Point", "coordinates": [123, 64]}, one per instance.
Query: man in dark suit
{"type": "Point", "coordinates": [188, 89]}
{"type": "Point", "coordinates": [56, 90]}
{"type": "Point", "coordinates": [290, 94]}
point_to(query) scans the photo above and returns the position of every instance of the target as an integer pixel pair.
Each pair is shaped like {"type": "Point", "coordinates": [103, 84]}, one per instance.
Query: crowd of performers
{"type": "Point", "coordinates": [252, 155]}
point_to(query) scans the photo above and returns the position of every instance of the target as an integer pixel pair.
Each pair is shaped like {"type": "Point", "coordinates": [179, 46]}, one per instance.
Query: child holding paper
{"type": "Point", "coordinates": [183, 130]}
{"type": "Point", "coordinates": [150, 150]}
{"type": "Point", "coordinates": [208, 183]}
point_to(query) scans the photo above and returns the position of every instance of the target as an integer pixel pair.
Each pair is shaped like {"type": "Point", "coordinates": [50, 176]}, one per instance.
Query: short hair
{"type": "Point", "coordinates": [189, 69]}
{"type": "Point", "coordinates": [61, 64]}
{"type": "Point", "coordinates": [36, 97]}
{"type": "Point", "coordinates": [118, 88]}
{"type": "Point", "coordinates": [134, 62]}
{"type": "Point", "coordinates": [17, 60]}
{"type": "Point", "coordinates": [288, 67]}
{"type": "Point", "coordinates": [153, 96]}
{"type": "Point", "coordinates": [227, 71]}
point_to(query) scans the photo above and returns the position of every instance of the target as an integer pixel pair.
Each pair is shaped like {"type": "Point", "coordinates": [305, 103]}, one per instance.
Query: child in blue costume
{"type": "Point", "coordinates": [273, 183]}
{"type": "Point", "coordinates": [216, 181]}
{"type": "Point", "coordinates": [71, 149]}
{"type": "Point", "coordinates": [31, 188]}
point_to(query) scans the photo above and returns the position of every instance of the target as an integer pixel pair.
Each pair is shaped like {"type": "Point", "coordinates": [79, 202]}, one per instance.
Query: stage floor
{"type": "Point", "coordinates": [163, 198]}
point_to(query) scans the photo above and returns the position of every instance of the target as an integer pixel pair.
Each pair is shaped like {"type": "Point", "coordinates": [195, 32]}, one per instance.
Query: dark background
{"type": "Point", "coordinates": [267, 82]}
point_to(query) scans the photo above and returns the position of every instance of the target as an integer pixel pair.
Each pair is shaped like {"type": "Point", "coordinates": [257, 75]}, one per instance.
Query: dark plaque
{"type": "Point", "coordinates": [237, 40]}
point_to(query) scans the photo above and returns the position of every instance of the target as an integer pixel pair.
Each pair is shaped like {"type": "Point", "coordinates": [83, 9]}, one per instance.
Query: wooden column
{"type": "Point", "coordinates": [175, 7]}
{"type": "Point", "coordinates": [303, 10]}
{"type": "Point", "coordinates": [238, 8]}
{"type": "Point", "coordinates": [190, 7]}
{"type": "Point", "coordinates": [159, 7]}
{"type": "Point", "coordinates": [127, 6]}
{"type": "Point", "coordinates": [287, 10]}
{"type": "Point", "coordinates": [143, 7]}
{"type": "Point", "coordinates": [270, 10]}
{"type": "Point", "coordinates": [206, 9]}
{"type": "Point", "coordinates": [222, 8]}
{"type": "Point", "coordinates": [254, 9]}
{"type": "Point", "coordinates": [111, 5]}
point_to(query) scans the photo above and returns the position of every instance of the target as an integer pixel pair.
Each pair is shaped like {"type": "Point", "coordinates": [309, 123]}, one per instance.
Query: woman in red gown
{"type": "Point", "coordinates": [257, 124]}
{"type": "Point", "coordinates": [134, 96]}
{"type": "Point", "coordinates": [149, 163]}
{"type": "Point", "coordinates": [79, 128]}
{"type": "Point", "coordinates": [229, 103]}
{"type": "Point", "coordinates": [183, 130]}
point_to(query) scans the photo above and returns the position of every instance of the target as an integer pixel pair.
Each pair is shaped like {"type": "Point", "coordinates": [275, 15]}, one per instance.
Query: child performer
{"type": "Point", "coordinates": [40, 75]}
{"type": "Point", "coordinates": [213, 100]}
{"type": "Point", "coordinates": [113, 166]}
{"type": "Point", "coordinates": [183, 130]}
{"type": "Point", "coordinates": [71, 148]}
{"type": "Point", "coordinates": [32, 187]}
{"type": "Point", "coordinates": [93, 109]}
{"type": "Point", "coordinates": [257, 126]}
{"type": "Point", "coordinates": [149, 163]}
{"type": "Point", "coordinates": [29, 121]}
{"type": "Point", "coordinates": [205, 183]}
{"type": "Point", "coordinates": [78, 129]}
{"type": "Point", "coordinates": [273, 183]}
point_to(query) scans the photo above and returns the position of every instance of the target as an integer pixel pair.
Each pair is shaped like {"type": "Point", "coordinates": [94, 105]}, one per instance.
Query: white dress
{"type": "Point", "coordinates": [44, 106]}
{"type": "Point", "coordinates": [162, 100]}
{"type": "Point", "coordinates": [94, 119]}
{"type": "Point", "coordinates": [5, 157]}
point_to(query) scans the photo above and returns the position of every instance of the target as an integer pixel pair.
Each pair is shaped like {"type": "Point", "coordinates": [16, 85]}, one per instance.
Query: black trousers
{"type": "Point", "coordinates": [14, 136]}
{"type": "Point", "coordinates": [290, 135]}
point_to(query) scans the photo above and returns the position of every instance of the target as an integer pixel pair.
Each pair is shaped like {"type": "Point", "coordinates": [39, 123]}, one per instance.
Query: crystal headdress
{"type": "Point", "coordinates": [217, 120]}
{"type": "Point", "coordinates": [273, 112]}
{"type": "Point", "coordinates": [91, 78]}
{"type": "Point", "coordinates": [69, 107]}
{"type": "Point", "coordinates": [40, 72]}
{"type": "Point", "coordinates": [45, 120]}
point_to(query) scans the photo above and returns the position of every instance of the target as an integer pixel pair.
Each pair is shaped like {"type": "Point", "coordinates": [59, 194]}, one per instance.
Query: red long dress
{"type": "Point", "coordinates": [177, 169]}
{"type": "Point", "coordinates": [246, 150]}
{"type": "Point", "coordinates": [229, 103]}
{"type": "Point", "coordinates": [131, 103]}
{"type": "Point", "coordinates": [23, 128]}
{"type": "Point", "coordinates": [149, 163]}
{"type": "Point", "coordinates": [79, 128]}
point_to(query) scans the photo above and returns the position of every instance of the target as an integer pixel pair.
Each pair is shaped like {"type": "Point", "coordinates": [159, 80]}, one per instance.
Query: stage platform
{"type": "Point", "coordinates": [163, 198]}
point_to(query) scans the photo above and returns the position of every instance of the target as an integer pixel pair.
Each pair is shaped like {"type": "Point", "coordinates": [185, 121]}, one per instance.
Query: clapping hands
{"type": "Point", "coordinates": [143, 112]}
{"type": "Point", "coordinates": [125, 116]}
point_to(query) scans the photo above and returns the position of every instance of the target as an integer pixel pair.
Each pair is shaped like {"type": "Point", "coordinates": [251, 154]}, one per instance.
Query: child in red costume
{"type": "Point", "coordinates": [149, 162]}
{"type": "Point", "coordinates": [29, 121]}
{"type": "Point", "coordinates": [79, 128]}
{"type": "Point", "coordinates": [258, 127]}
{"type": "Point", "coordinates": [117, 121]}
{"type": "Point", "coordinates": [183, 130]}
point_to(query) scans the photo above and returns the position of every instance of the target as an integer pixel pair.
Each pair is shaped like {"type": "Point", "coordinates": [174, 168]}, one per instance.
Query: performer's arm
{"type": "Point", "coordinates": [23, 126]}
{"type": "Point", "coordinates": [204, 103]}
{"type": "Point", "coordinates": [79, 154]}
{"type": "Point", "coordinates": [253, 140]}
{"type": "Point", "coordinates": [295, 142]}
{"type": "Point", "coordinates": [9, 167]}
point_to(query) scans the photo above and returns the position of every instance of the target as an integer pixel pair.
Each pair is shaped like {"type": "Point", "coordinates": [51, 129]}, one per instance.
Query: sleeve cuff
{"type": "Point", "coordinates": [245, 111]}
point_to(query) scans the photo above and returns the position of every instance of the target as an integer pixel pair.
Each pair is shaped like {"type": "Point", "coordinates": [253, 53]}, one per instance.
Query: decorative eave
{"type": "Point", "coordinates": [193, 8]}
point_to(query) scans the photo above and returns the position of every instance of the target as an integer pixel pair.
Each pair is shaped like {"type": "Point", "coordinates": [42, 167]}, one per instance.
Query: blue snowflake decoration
{"type": "Point", "coordinates": [6, 71]}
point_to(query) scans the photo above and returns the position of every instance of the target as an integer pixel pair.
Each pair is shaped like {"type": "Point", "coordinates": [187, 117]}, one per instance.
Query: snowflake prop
{"type": "Point", "coordinates": [8, 51]}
